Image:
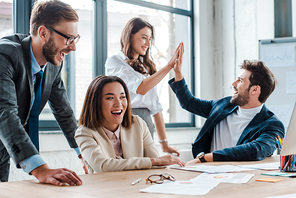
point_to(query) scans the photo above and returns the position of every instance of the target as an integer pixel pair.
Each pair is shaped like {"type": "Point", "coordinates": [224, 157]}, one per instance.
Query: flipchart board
{"type": "Point", "coordinates": [279, 55]}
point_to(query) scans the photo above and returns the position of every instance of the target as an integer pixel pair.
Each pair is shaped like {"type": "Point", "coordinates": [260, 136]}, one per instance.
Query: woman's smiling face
{"type": "Point", "coordinates": [114, 104]}
{"type": "Point", "coordinates": [141, 41]}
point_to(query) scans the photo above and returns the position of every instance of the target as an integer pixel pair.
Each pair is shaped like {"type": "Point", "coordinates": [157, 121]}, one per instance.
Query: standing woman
{"type": "Point", "coordinates": [134, 66]}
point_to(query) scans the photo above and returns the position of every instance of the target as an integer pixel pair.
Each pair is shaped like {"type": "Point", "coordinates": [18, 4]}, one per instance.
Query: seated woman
{"type": "Point", "coordinates": [110, 137]}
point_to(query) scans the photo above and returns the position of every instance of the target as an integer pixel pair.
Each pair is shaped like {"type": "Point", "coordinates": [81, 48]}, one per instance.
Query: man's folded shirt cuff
{"type": "Point", "coordinates": [31, 163]}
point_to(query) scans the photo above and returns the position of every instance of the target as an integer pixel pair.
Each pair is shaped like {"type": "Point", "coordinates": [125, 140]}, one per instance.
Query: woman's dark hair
{"type": "Point", "coordinates": [91, 114]}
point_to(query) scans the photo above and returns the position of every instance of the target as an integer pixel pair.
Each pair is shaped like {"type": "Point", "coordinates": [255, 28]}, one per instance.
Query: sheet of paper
{"type": "Point", "coordinates": [211, 169]}
{"type": "Point", "coordinates": [266, 166]}
{"type": "Point", "coordinates": [234, 178]}
{"type": "Point", "coordinates": [283, 196]}
{"type": "Point", "coordinates": [182, 187]}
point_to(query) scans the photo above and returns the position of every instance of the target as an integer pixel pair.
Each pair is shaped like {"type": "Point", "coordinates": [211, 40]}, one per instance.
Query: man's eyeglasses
{"type": "Point", "coordinates": [70, 40]}
{"type": "Point", "coordinates": [159, 178]}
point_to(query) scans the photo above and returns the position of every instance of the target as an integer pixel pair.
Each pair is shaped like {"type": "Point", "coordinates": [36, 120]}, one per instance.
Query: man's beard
{"type": "Point", "coordinates": [241, 99]}
{"type": "Point", "coordinates": [49, 51]}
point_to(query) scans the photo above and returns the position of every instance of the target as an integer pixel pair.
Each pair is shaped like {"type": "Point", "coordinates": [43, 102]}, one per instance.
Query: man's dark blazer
{"type": "Point", "coordinates": [257, 141]}
{"type": "Point", "coordinates": [16, 92]}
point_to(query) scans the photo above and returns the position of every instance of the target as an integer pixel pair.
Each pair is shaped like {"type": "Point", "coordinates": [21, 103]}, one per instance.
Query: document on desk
{"type": "Point", "coordinates": [211, 169]}
{"type": "Point", "coordinates": [234, 178]}
{"type": "Point", "coordinates": [266, 166]}
{"type": "Point", "coordinates": [182, 187]}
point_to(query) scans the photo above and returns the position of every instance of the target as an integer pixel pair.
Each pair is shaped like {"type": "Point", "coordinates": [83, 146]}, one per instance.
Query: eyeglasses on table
{"type": "Point", "coordinates": [159, 178]}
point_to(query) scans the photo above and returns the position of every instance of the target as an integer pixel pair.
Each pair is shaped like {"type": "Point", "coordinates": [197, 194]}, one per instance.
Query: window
{"type": "Point", "coordinates": [173, 3]}
{"type": "Point", "coordinates": [5, 18]}
{"type": "Point", "coordinates": [78, 66]}
{"type": "Point", "coordinates": [171, 26]}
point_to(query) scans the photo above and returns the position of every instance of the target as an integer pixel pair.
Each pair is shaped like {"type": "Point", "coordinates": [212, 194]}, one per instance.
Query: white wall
{"type": "Point", "coordinates": [227, 32]}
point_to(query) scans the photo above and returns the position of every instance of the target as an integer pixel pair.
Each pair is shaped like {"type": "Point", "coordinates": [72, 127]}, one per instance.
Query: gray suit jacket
{"type": "Point", "coordinates": [16, 91]}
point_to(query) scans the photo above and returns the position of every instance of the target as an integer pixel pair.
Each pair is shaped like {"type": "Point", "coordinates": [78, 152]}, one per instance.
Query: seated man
{"type": "Point", "coordinates": [239, 127]}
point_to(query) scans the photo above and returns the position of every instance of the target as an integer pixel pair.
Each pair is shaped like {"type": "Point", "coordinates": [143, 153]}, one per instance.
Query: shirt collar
{"type": "Point", "coordinates": [249, 112]}
{"type": "Point", "coordinates": [110, 133]}
{"type": "Point", "coordinates": [124, 57]}
{"type": "Point", "coordinates": [35, 66]}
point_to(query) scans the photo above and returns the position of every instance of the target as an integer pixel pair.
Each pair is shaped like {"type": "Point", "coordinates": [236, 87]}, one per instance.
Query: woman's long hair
{"type": "Point", "coordinates": [92, 114]}
{"type": "Point", "coordinates": [132, 27]}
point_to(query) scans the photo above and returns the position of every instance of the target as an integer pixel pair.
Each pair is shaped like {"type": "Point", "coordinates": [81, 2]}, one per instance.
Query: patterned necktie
{"type": "Point", "coordinates": [34, 115]}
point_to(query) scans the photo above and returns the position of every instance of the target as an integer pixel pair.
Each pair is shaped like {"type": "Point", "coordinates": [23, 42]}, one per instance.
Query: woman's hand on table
{"type": "Point", "coordinates": [167, 160]}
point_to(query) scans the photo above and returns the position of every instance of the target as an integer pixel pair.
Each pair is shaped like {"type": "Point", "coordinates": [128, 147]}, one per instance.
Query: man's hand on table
{"type": "Point", "coordinates": [208, 157]}
{"type": "Point", "coordinates": [58, 177]}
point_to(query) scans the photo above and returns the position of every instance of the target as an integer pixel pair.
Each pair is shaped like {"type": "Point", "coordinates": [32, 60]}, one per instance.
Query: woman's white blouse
{"type": "Point", "coordinates": [116, 66]}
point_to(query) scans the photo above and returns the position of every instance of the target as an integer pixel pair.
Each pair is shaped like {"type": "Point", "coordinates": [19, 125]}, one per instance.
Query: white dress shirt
{"type": "Point", "coordinates": [229, 130]}
{"type": "Point", "coordinates": [116, 66]}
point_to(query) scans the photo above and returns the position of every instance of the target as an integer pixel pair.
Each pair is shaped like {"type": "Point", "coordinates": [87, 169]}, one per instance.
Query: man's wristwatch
{"type": "Point", "coordinates": [201, 157]}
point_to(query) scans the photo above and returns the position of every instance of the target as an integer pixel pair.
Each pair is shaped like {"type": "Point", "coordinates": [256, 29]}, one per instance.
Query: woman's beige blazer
{"type": "Point", "coordinates": [98, 153]}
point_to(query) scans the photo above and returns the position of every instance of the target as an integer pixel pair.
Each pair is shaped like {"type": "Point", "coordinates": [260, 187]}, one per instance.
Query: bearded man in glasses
{"type": "Point", "coordinates": [30, 76]}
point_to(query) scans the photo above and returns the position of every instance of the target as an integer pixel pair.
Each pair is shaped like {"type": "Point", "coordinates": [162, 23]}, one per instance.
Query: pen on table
{"type": "Point", "coordinates": [136, 181]}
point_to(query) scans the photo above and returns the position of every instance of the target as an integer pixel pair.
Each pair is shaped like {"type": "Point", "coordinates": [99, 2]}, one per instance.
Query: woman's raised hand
{"type": "Point", "coordinates": [176, 55]}
{"type": "Point", "coordinates": [178, 65]}
{"type": "Point", "coordinates": [179, 60]}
